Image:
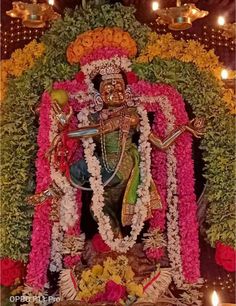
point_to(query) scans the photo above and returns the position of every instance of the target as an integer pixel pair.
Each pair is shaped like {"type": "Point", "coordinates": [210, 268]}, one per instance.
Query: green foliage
{"type": "Point", "coordinates": [19, 125]}
{"type": "Point", "coordinates": [202, 92]}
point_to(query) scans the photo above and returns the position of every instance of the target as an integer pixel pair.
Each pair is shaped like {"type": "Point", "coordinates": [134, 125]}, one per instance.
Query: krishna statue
{"type": "Point", "coordinates": [118, 148]}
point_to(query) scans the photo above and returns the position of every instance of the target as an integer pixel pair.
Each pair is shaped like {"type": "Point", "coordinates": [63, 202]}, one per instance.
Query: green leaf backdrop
{"type": "Point", "coordinates": [19, 125]}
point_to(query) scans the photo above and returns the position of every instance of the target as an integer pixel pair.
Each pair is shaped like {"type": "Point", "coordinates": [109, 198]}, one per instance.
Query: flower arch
{"type": "Point", "coordinates": [195, 82]}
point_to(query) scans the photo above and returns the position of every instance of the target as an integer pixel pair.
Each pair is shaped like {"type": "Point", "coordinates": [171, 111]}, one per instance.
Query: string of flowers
{"type": "Point", "coordinates": [21, 60]}
{"type": "Point", "coordinates": [94, 168]}
{"type": "Point", "coordinates": [68, 203]}
{"type": "Point", "coordinates": [173, 233]}
{"type": "Point", "coordinates": [155, 96]}
{"type": "Point", "coordinates": [191, 51]}
{"type": "Point", "coordinates": [42, 227]}
{"type": "Point", "coordinates": [187, 199]}
{"type": "Point", "coordinates": [56, 248]}
{"type": "Point", "coordinates": [72, 259]}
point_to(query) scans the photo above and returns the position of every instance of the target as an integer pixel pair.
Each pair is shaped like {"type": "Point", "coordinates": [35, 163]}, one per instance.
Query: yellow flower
{"type": "Point", "coordinates": [83, 295]}
{"type": "Point", "coordinates": [20, 61]}
{"type": "Point", "coordinates": [116, 279]}
{"type": "Point", "coordinates": [97, 270]}
{"type": "Point", "coordinates": [86, 275]}
{"type": "Point", "coordinates": [129, 274]}
{"type": "Point", "coordinates": [134, 289]}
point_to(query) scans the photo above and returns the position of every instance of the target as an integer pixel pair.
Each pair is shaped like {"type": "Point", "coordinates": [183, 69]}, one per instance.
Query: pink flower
{"type": "Point", "coordinates": [103, 53]}
{"type": "Point", "coordinates": [154, 253]}
{"type": "Point", "coordinates": [225, 256]}
{"type": "Point", "coordinates": [99, 245]}
{"type": "Point", "coordinates": [71, 261]}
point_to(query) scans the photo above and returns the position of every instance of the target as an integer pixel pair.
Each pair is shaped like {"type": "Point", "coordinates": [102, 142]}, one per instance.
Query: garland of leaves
{"type": "Point", "coordinates": [191, 51]}
{"type": "Point", "coordinates": [19, 129]}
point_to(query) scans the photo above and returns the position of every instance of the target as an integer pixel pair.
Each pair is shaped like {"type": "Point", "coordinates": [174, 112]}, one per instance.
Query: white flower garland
{"type": "Point", "coordinates": [172, 199]}
{"type": "Point", "coordinates": [68, 209]}
{"type": "Point", "coordinates": [94, 168]}
{"type": "Point", "coordinates": [56, 254]}
{"type": "Point", "coordinates": [67, 212]}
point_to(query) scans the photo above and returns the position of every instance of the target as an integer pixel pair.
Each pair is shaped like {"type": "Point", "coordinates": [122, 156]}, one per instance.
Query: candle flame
{"type": "Point", "coordinates": [221, 20]}
{"type": "Point", "coordinates": [155, 5]}
{"type": "Point", "coordinates": [224, 74]}
{"type": "Point", "coordinates": [51, 2]}
{"type": "Point", "coordinates": [215, 299]}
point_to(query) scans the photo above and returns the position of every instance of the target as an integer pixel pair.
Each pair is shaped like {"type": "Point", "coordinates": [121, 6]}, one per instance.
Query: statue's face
{"type": "Point", "coordinates": [113, 92]}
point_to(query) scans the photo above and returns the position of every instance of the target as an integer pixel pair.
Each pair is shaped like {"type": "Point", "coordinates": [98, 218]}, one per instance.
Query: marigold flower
{"type": "Point", "coordinates": [87, 41]}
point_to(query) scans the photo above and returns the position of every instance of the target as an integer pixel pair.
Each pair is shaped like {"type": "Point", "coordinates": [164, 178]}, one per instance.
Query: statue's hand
{"type": "Point", "coordinates": [196, 127]}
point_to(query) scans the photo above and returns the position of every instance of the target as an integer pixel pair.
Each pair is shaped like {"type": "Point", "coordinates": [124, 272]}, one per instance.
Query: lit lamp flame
{"type": "Point", "coordinates": [221, 21]}
{"type": "Point", "coordinates": [228, 29]}
{"type": "Point", "coordinates": [155, 5]}
{"type": "Point", "coordinates": [215, 299]}
{"type": "Point", "coordinates": [224, 76]}
{"type": "Point", "coordinates": [33, 15]}
{"type": "Point", "coordinates": [51, 2]}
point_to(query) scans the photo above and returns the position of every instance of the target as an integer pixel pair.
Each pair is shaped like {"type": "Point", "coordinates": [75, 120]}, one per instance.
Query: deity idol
{"type": "Point", "coordinates": [112, 126]}
{"type": "Point", "coordinates": [101, 140]}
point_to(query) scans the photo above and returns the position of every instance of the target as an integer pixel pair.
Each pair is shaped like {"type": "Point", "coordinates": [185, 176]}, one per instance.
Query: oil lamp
{"type": "Point", "coordinates": [180, 17]}
{"type": "Point", "coordinates": [33, 15]}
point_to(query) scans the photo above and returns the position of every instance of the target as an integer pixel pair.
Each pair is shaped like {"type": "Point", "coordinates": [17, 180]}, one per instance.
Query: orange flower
{"type": "Point", "coordinates": [118, 36]}
{"type": "Point", "coordinates": [106, 43]}
{"type": "Point", "coordinates": [70, 54]}
{"type": "Point", "coordinates": [101, 37]}
{"type": "Point", "coordinates": [98, 44]}
{"type": "Point", "coordinates": [87, 41]}
{"type": "Point", "coordinates": [108, 33]}
{"type": "Point", "coordinates": [98, 35]}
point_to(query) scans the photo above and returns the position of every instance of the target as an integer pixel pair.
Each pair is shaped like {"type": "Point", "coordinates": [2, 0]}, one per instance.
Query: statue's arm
{"type": "Point", "coordinates": [164, 144]}
{"type": "Point", "coordinates": [195, 127]}
{"type": "Point", "coordinates": [108, 126]}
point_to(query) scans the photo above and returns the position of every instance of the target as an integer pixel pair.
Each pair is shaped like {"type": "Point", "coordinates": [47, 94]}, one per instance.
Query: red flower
{"type": "Point", "coordinates": [80, 77]}
{"type": "Point", "coordinates": [131, 77]}
{"type": "Point", "coordinates": [99, 245]}
{"type": "Point", "coordinates": [11, 270]}
{"type": "Point", "coordinates": [114, 292]}
{"type": "Point", "coordinates": [225, 256]}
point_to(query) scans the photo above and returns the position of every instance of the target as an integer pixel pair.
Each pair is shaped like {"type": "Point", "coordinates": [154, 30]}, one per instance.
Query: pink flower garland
{"type": "Point", "coordinates": [41, 236]}
{"type": "Point", "coordinates": [103, 53]}
{"type": "Point", "coordinates": [187, 200]}
{"type": "Point", "coordinates": [74, 86]}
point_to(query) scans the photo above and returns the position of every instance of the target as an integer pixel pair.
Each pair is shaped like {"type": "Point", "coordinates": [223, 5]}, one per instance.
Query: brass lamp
{"type": "Point", "coordinates": [33, 15]}
{"type": "Point", "coordinates": [180, 17]}
{"type": "Point", "coordinates": [229, 30]}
